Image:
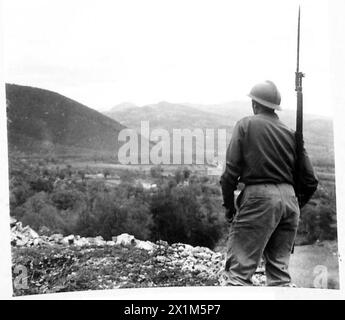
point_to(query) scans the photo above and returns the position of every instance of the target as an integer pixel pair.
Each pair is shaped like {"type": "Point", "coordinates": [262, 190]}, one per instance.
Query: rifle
{"type": "Point", "coordinates": [299, 118]}
{"type": "Point", "coordinates": [299, 122]}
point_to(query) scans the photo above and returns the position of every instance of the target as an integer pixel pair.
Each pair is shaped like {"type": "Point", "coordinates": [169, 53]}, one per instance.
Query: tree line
{"type": "Point", "coordinates": [181, 207]}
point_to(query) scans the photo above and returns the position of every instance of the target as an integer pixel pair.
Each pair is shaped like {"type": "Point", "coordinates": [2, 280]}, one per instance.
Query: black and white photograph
{"type": "Point", "coordinates": [170, 144]}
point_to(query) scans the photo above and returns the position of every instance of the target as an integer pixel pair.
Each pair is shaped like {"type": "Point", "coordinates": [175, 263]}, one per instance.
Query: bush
{"type": "Point", "coordinates": [38, 211]}
{"type": "Point", "coordinates": [113, 218]}
{"type": "Point", "coordinates": [106, 173]}
{"type": "Point", "coordinates": [127, 176]}
{"type": "Point", "coordinates": [66, 199]}
{"type": "Point", "coordinates": [41, 184]}
{"type": "Point", "coordinates": [20, 191]}
{"type": "Point", "coordinates": [318, 222]}
{"type": "Point", "coordinates": [156, 172]}
{"type": "Point", "coordinates": [179, 216]}
{"type": "Point", "coordinates": [86, 226]}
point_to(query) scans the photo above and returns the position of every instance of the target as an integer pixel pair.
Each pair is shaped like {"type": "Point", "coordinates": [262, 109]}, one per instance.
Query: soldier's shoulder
{"type": "Point", "coordinates": [246, 120]}
{"type": "Point", "coordinates": [242, 124]}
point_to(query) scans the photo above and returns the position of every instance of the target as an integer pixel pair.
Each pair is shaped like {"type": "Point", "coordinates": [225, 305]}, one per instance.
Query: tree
{"type": "Point", "coordinates": [69, 170]}
{"type": "Point", "coordinates": [179, 176]}
{"type": "Point", "coordinates": [126, 216]}
{"type": "Point", "coordinates": [156, 172]}
{"type": "Point", "coordinates": [179, 216]}
{"type": "Point", "coordinates": [81, 174]}
{"type": "Point", "coordinates": [318, 222]}
{"type": "Point", "coordinates": [186, 173]}
{"type": "Point", "coordinates": [106, 173]}
{"type": "Point", "coordinates": [38, 211]}
{"type": "Point", "coordinates": [66, 199]}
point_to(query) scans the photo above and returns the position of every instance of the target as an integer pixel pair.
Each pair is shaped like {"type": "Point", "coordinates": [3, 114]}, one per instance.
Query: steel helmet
{"type": "Point", "coordinates": [267, 94]}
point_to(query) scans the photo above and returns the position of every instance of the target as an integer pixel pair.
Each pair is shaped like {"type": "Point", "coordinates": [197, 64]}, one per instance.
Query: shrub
{"type": "Point", "coordinates": [66, 199]}
{"type": "Point", "coordinates": [38, 211]}
{"type": "Point", "coordinates": [20, 191]}
{"type": "Point", "coordinates": [179, 216]}
{"type": "Point", "coordinates": [318, 222]}
{"type": "Point", "coordinates": [106, 173]}
{"type": "Point", "coordinates": [186, 173]}
{"type": "Point", "coordinates": [114, 217]}
{"type": "Point", "coordinates": [41, 184]}
{"type": "Point", "coordinates": [156, 172]}
{"type": "Point", "coordinates": [86, 225]}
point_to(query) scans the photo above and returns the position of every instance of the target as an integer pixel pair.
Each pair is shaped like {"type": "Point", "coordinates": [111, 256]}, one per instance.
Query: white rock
{"type": "Point", "coordinates": [125, 240]}
{"type": "Point", "coordinates": [99, 241]}
{"type": "Point", "coordinates": [30, 233]}
{"type": "Point", "coordinates": [162, 243]}
{"type": "Point", "coordinates": [18, 226]}
{"type": "Point", "coordinates": [23, 236]}
{"type": "Point", "coordinates": [57, 237]}
{"type": "Point", "coordinates": [200, 268]}
{"type": "Point", "coordinates": [185, 247]}
{"type": "Point", "coordinates": [13, 221]}
{"type": "Point", "coordinates": [90, 240]}
{"type": "Point", "coordinates": [146, 245]}
{"type": "Point", "coordinates": [81, 242]}
{"type": "Point", "coordinates": [197, 249]}
{"type": "Point", "coordinates": [37, 241]}
{"type": "Point", "coordinates": [68, 240]}
{"type": "Point", "coordinates": [202, 255]}
{"type": "Point", "coordinates": [162, 259]}
{"type": "Point", "coordinates": [21, 242]}
{"type": "Point", "coordinates": [208, 251]}
{"type": "Point", "coordinates": [184, 254]}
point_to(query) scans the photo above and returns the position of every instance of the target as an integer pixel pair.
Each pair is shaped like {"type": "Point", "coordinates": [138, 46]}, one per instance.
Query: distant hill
{"type": "Point", "coordinates": [168, 116]}
{"type": "Point", "coordinates": [233, 110]}
{"type": "Point", "coordinates": [45, 122]}
{"type": "Point", "coordinates": [122, 106]}
{"type": "Point", "coordinates": [318, 130]}
{"type": "Point", "coordinates": [42, 121]}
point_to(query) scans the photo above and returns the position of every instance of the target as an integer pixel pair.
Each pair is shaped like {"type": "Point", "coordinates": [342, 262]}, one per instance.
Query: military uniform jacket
{"type": "Point", "coordinates": [263, 150]}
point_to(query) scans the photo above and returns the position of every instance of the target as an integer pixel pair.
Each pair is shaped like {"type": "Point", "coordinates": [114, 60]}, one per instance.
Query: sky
{"type": "Point", "coordinates": [102, 53]}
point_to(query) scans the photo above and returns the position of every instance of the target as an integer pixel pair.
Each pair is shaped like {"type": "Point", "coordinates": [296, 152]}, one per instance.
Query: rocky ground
{"type": "Point", "coordinates": [47, 264]}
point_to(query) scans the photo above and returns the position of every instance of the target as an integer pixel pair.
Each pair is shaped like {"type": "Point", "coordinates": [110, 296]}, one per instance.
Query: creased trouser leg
{"type": "Point", "coordinates": [278, 250]}
{"type": "Point", "coordinates": [264, 219]}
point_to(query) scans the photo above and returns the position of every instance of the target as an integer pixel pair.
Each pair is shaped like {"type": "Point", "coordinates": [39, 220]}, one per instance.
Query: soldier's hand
{"type": "Point", "coordinates": [229, 214]}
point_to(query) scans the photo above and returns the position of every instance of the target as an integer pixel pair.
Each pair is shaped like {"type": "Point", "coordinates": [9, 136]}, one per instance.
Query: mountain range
{"type": "Point", "coordinates": [318, 130]}
{"type": "Point", "coordinates": [168, 116]}
{"type": "Point", "coordinates": [42, 121]}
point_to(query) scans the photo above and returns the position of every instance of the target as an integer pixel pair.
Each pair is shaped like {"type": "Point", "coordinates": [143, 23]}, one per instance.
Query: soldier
{"type": "Point", "coordinates": [262, 155]}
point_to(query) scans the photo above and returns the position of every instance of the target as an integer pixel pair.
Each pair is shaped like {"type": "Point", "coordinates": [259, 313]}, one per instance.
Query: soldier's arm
{"type": "Point", "coordinates": [233, 168]}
